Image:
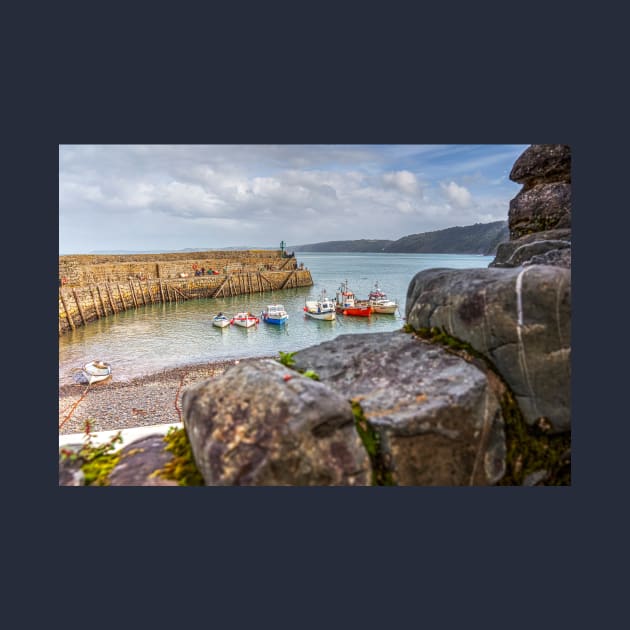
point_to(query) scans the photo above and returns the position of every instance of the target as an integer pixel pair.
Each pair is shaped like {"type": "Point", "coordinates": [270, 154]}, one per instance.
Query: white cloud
{"type": "Point", "coordinates": [405, 181]}
{"type": "Point", "coordinates": [459, 195]}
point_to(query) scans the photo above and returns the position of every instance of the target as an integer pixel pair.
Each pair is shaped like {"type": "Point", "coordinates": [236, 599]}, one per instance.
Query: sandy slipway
{"type": "Point", "coordinates": [142, 402]}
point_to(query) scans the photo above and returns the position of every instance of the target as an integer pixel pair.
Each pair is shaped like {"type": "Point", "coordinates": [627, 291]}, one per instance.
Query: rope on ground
{"type": "Point", "coordinates": [76, 404]}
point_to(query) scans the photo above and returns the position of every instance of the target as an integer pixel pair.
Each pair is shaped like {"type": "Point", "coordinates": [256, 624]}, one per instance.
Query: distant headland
{"type": "Point", "coordinates": [480, 238]}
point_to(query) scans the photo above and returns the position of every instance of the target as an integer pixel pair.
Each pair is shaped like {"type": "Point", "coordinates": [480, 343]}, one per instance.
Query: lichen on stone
{"type": "Point", "coordinates": [371, 440]}
{"type": "Point", "coordinates": [181, 468]}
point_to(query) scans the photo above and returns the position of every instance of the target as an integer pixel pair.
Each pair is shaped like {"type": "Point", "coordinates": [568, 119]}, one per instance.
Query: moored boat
{"type": "Point", "coordinates": [347, 304]}
{"type": "Point", "coordinates": [221, 320]}
{"type": "Point", "coordinates": [380, 302]}
{"type": "Point", "coordinates": [246, 320]}
{"type": "Point", "coordinates": [275, 314]}
{"type": "Point", "coordinates": [96, 371]}
{"type": "Point", "coordinates": [322, 308]}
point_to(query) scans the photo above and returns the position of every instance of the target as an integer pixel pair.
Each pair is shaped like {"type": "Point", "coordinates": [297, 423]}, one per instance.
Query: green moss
{"type": "Point", "coordinates": [311, 374]}
{"type": "Point", "coordinates": [97, 469]}
{"type": "Point", "coordinates": [532, 448]}
{"type": "Point", "coordinates": [96, 462]}
{"type": "Point", "coordinates": [381, 476]}
{"type": "Point", "coordinates": [462, 348]}
{"type": "Point", "coordinates": [181, 468]}
{"type": "Point", "coordinates": [528, 449]}
{"type": "Point", "coordinates": [286, 358]}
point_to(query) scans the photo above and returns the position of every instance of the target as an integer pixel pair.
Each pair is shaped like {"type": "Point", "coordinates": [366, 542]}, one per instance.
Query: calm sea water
{"type": "Point", "coordinates": [161, 336]}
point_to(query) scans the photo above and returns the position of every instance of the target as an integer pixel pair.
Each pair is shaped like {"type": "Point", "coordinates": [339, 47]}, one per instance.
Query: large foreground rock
{"type": "Point", "coordinates": [255, 426]}
{"type": "Point", "coordinates": [519, 318]}
{"type": "Point", "coordinates": [435, 417]}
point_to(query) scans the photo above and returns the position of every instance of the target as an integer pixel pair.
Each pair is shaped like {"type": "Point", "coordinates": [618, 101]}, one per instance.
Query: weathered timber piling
{"type": "Point", "coordinates": [122, 297]}
{"type": "Point", "coordinates": [67, 312]}
{"type": "Point", "coordinates": [100, 297]}
{"type": "Point", "coordinates": [98, 315]}
{"type": "Point", "coordinates": [158, 278]}
{"type": "Point", "coordinates": [111, 299]}
{"type": "Point", "coordinates": [133, 293]}
{"type": "Point", "coordinates": [78, 303]}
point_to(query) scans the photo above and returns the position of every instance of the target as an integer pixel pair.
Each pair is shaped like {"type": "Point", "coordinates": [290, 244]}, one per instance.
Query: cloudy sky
{"type": "Point", "coordinates": [171, 197]}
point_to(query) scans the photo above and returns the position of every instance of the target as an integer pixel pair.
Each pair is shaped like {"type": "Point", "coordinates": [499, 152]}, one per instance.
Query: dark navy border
{"type": "Point", "coordinates": [297, 557]}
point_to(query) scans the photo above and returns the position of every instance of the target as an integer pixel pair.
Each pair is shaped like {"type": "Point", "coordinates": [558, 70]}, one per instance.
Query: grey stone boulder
{"type": "Point", "coordinates": [518, 318]}
{"type": "Point", "coordinates": [139, 462]}
{"type": "Point", "coordinates": [542, 207]}
{"type": "Point", "coordinates": [262, 423]}
{"type": "Point", "coordinates": [555, 257]}
{"type": "Point", "coordinates": [537, 252]}
{"type": "Point", "coordinates": [435, 417]}
{"type": "Point", "coordinates": [505, 254]}
{"type": "Point", "coordinates": [542, 163]}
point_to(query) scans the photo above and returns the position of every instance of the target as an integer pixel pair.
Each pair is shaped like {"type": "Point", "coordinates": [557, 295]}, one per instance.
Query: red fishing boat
{"type": "Point", "coordinates": [347, 304]}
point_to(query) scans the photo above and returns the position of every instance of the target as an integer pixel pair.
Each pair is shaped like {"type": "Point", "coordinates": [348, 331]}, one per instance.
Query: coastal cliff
{"type": "Point", "coordinates": [475, 390]}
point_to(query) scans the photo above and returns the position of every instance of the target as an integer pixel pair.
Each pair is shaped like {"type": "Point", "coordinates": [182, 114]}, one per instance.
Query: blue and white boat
{"type": "Point", "coordinates": [275, 314]}
{"type": "Point", "coordinates": [221, 321]}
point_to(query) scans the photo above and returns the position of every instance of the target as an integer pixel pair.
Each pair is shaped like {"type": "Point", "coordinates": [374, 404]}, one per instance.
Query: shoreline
{"type": "Point", "coordinates": [143, 401]}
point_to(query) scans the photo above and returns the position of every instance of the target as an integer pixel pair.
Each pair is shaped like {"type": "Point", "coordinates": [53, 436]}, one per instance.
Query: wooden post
{"type": "Point", "coordinates": [76, 299]}
{"type": "Point", "coordinates": [267, 281]}
{"type": "Point", "coordinates": [221, 286]}
{"type": "Point", "coordinates": [100, 297]}
{"type": "Point", "coordinates": [65, 308]}
{"type": "Point", "coordinates": [161, 288]}
{"type": "Point", "coordinates": [149, 291]}
{"type": "Point", "coordinates": [122, 297]}
{"type": "Point", "coordinates": [111, 299]}
{"type": "Point", "coordinates": [133, 293]}
{"type": "Point", "coordinates": [144, 302]}
{"type": "Point", "coordinates": [177, 291]}
{"type": "Point", "coordinates": [98, 315]}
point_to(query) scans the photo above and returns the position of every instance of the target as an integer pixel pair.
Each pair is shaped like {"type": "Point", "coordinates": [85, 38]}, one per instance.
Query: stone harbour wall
{"type": "Point", "coordinates": [81, 270]}
{"type": "Point", "coordinates": [92, 287]}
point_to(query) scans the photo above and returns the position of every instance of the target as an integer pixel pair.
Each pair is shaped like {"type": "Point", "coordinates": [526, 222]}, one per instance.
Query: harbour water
{"type": "Point", "coordinates": [157, 337]}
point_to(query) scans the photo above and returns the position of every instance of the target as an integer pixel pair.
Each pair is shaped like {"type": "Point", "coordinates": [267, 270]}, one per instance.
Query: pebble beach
{"type": "Point", "coordinates": [143, 401]}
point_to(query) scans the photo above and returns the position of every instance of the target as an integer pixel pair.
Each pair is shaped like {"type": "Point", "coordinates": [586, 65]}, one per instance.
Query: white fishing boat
{"type": "Point", "coordinates": [380, 302]}
{"type": "Point", "coordinates": [96, 371]}
{"type": "Point", "coordinates": [246, 320]}
{"type": "Point", "coordinates": [322, 308]}
{"type": "Point", "coordinates": [221, 320]}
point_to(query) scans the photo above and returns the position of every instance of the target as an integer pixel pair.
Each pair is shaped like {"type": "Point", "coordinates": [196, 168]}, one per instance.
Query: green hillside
{"type": "Point", "coordinates": [480, 238]}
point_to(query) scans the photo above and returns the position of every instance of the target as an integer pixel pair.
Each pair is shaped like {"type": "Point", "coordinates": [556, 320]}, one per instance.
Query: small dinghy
{"type": "Point", "coordinates": [245, 320]}
{"type": "Point", "coordinates": [96, 371]}
{"type": "Point", "coordinates": [221, 321]}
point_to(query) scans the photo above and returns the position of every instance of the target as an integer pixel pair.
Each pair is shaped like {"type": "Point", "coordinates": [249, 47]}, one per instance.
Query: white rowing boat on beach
{"type": "Point", "coordinates": [96, 371]}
